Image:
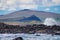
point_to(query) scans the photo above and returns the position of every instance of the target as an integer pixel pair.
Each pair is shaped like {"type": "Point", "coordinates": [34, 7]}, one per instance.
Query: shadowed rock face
{"type": "Point", "coordinates": [19, 38]}
{"type": "Point", "coordinates": [31, 18]}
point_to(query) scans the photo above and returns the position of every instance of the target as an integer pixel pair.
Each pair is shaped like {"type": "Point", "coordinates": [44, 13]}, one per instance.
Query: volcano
{"type": "Point", "coordinates": [28, 15]}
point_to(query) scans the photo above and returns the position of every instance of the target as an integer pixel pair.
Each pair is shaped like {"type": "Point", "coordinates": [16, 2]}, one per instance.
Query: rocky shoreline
{"type": "Point", "coordinates": [30, 29]}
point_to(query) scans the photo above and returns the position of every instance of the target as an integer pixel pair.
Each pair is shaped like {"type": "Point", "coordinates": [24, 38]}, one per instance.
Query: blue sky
{"type": "Point", "coordinates": [8, 6]}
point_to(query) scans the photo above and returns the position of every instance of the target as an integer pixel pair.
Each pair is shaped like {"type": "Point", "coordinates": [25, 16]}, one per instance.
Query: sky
{"type": "Point", "coordinates": [8, 6]}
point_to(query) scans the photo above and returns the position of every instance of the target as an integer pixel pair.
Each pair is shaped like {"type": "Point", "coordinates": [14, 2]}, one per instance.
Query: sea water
{"type": "Point", "coordinates": [29, 36]}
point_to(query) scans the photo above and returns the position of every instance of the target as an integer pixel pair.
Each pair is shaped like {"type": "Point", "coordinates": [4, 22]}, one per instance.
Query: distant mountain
{"type": "Point", "coordinates": [31, 18]}
{"type": "Point", "coordinates": [26, 14]}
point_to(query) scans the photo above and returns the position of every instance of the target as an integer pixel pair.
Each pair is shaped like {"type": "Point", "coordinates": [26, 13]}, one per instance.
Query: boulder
{"type": "Point", "coordinates": [18, 38]}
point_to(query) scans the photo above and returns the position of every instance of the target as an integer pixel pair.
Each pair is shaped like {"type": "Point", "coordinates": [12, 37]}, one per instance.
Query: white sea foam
{"type": "Point", "coordinates": [29, 37]}
{"type": "Point", "coordinates": [50, 22]}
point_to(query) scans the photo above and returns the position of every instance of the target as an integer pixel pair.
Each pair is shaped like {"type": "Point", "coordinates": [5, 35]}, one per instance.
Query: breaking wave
{"type": "Point", "coordinates": [50, 22]}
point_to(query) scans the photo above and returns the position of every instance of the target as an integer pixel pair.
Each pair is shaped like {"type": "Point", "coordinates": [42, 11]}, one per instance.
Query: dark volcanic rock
{"type": "Point", "coordinates": [57, 33]}
{"type": "Point", "coordinates": [5, 28]}
{"type": "Point", "coordinates": [19, 38]}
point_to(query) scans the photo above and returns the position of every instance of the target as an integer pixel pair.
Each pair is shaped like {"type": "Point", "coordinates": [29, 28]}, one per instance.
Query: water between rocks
{"type": "Point", "coordinates": [29, 36]}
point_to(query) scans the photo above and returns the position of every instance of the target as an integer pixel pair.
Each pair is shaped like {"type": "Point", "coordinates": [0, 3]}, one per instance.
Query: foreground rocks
{"type": "Point", "coordinates": [19, 38]}
{"type": "Point", "coordinates": [5, 28]}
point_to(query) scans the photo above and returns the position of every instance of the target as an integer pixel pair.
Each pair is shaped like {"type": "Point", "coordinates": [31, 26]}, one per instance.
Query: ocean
{"type": "Point", "coordinates": [29, 36]}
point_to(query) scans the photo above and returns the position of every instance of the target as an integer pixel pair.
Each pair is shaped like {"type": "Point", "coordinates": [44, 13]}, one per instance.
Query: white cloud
{"type": "Point", "coordinates": [56, 1]}
{"type": "Point", "coordinates": [29, 4]}
{"type": "Point", "coordinates": [26, 1]}
{"type": "Point", "coordinates": [13, 4]}
{"type": "Point", "coordinates": [10, 2]}
{"type": "Point", "coordinates": [0, 5]}
{"type": "Point", "coordinates": [12, 9]}
{"type": "Point", "coordinates": [3, 7]}
{"type": "Point", "coordinates": [49, 2]}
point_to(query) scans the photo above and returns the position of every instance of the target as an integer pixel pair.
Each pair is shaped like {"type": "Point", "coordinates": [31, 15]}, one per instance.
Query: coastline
{"type": "Point", "coordinates": [29, 29]}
